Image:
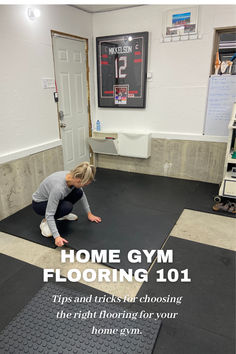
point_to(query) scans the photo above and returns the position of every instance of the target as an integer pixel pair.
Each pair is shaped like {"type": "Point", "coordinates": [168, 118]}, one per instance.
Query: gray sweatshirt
{"type": "Point", "coordinates": [53, 189]}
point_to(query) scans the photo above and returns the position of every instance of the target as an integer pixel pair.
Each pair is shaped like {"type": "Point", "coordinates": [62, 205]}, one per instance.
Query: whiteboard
{"type": "Point", "coordinates": [221, 96]}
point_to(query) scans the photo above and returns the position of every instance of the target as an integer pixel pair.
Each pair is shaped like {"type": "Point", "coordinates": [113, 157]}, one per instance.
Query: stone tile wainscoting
{"type": "Point", "coordinates": [20, 178]}
{"type": "Point", "coordinates": [186, 159]}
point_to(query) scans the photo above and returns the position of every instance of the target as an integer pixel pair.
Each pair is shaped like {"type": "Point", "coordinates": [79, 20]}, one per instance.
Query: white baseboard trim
{"type": "Point", "coordinates": [14, 155]}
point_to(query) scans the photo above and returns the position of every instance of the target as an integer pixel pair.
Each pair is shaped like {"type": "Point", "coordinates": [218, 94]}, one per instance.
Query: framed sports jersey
{"type": "Point", "coordinates": [122, 70]}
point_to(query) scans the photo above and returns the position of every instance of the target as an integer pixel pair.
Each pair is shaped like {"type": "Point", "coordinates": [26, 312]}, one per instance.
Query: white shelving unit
{"type": "Point", "coordinates": [104, 142]}
{"type": "Point", "coordinates": [228, 185]}
{"type": "Point", "coordinates": [123, 143]}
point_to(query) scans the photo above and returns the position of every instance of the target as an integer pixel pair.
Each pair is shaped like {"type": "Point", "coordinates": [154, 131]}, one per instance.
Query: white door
{"type": "Point", "coordinates": [71, 78]}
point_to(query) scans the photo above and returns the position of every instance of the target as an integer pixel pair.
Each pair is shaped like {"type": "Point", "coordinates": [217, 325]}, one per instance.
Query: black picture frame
{"type": "Point", "coordinates": [122, 70]}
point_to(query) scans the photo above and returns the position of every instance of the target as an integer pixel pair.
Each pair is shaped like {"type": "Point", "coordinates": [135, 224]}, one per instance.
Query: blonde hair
{"type": "Point", "coordinates": [85, 172]}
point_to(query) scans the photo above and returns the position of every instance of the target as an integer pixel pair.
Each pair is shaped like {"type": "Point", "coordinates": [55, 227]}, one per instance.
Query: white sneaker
{"type": "Point", "coordinates": [70, 217]}
{"type": "Point", "coordinates": [45, 231]}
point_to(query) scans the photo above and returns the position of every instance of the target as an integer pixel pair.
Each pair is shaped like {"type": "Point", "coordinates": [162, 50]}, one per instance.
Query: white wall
{"type": "Point", "coordinates": [177, 94]}
{"type": "Point", "coordinates": [28, 116]}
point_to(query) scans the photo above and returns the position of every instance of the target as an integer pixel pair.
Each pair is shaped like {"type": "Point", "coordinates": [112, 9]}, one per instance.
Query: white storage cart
{"type": "Point", "coordinates": [228, 185]}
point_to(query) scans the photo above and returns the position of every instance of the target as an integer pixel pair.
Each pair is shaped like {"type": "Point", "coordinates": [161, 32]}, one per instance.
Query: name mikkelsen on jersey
{"type": "Point", "coordinates": [120, 50]}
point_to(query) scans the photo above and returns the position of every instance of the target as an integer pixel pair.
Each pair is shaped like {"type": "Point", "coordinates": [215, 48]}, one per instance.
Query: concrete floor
{"type": "Point", "coordinates": [192, 225]}
{"type": "Point", "coordinates": [210, 229]}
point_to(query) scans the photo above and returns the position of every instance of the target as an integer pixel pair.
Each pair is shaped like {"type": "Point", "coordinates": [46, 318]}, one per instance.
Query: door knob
{"type": "Point", "coordinates": [62, 125]}
{"type": "Point", "coordinates": [61, 115]}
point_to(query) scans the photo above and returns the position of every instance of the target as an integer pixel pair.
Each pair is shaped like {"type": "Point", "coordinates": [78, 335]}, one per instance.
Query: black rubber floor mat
{"type": "Point", "coordinates": [145, 191]}
{"type": "Point", "coordinates": [25, 224]}
{"type": "Point", "coordinates": [19, 282]}
{"type": "Point", "coordinates": [36, 329]}
{"type": "Point", "coordinates": [208, 301]}
{"type": "Point", "coordinates": [115, 196]}
{"type": "Point", "coordinates": [123, 229]}
{"type": "Point", "coordinates": [157, 193]}
{"type": "Point", "coordinates": [178, 337]}
{"type": "Point", "coordinates": [203, 199]}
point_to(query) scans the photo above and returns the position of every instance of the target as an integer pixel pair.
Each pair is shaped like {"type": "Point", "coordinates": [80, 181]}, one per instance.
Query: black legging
{"type": "Point", "coordinates": [65, 206]}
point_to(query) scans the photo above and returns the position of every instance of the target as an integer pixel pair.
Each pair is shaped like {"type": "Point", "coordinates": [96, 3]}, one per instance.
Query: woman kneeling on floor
{"type": "Point", "coordinates": [56, 195]}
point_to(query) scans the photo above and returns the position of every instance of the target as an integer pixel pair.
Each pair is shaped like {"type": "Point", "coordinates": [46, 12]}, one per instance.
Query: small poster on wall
{"type": "Point", "coordinates": [121, 93]}
{"type": "Point", "coordinates": [181, 22]}
{"type": "Point", "coordinates": [122, 70]}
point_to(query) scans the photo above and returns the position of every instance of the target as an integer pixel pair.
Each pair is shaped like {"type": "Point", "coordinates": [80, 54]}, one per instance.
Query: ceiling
{"type": "Point", "coordinates": [102, 8]}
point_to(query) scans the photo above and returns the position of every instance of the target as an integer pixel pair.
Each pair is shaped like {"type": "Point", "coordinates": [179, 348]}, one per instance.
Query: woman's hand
{"type": "Point", "coordinates": [59, 241]}
{"type": "Point", "coordinates": [94, 218]}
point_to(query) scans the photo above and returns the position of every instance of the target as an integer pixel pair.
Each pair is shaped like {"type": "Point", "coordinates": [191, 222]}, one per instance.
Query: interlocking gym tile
{"type": "Point", "coordinates": [37, 329]}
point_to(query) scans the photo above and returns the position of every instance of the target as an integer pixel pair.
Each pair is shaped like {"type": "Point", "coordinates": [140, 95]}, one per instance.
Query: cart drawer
{"type": "Point", "coordinates": [229, 188]}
